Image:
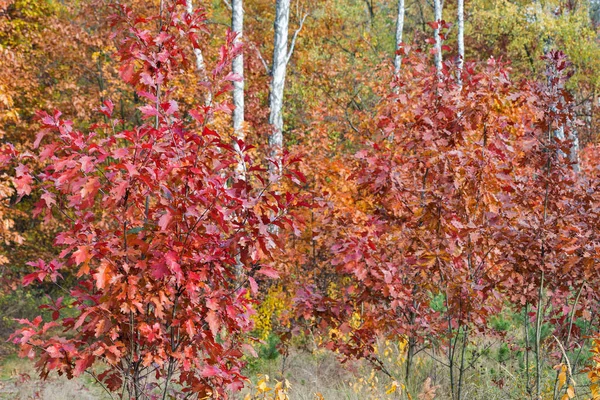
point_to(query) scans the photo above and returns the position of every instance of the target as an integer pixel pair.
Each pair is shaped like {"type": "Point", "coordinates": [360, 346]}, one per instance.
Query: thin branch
{"type": "Point", "coordinates": [350, 121]}
{"type": "Point", "coordinates": [291, 51]}
{"type": "Point", "coordinates": [98, 381]}
{"type": "Point", "coordinates": [564, 353]}
{"type": "Point", "coordinates": [436, 359]}
{"type": "Point", "coordinates": [261, 58]}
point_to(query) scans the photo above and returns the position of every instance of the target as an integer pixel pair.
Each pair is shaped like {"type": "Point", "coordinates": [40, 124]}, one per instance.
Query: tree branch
{"type": "Point", "coordinates": [261, 58]}
{"type": "Point", "coordinates": [291, 51]}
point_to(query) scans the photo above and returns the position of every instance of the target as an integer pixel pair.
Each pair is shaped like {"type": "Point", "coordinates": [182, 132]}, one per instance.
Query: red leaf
{"type": "Point", "coordinates": [103, 275]}
{"type": "Point", "coordinates": [120, 153]}
{"type": "Point", "coordinates": [270, 272]}
{"type": "Point", "coordinates": [434, 24]}
{"type": "Point", "coordinates": [107, 108]}
{"type": "Point", "coordinates": [82, 255]}
{"type": "Point", "coordinates": [82, 364]}
{"type": "Point", "coordinates": [164, 221]}
{"type": "Point", "coordinates": [210, 371]}
{"type": "Point", "coordinates": [253, 285]}
{"type": "Point", "coordinates": [126, 72]}
{"type": "Point", "coordinates": [149, 111]}
{"type": "Point", "coordinates": [233, 77]}
{"type": "Point", "coordinates": [28, 279]}
{"type": "Point", "coordinates": [213, 322]}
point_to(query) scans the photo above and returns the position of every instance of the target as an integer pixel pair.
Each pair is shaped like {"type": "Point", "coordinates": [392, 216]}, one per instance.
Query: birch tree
{"type": "Point", "coordinates": [278, 69]}
{"type": "Point", "coordinates": [460, 11]}
{"type": "Point", "coordinates": [200, 64]}
{"type": "Point", "coordinates": [559, 132]}
{"type": "Point", "coordinates": [237, 26]}
{"type": "Point", "coordinates": [281, 58]}
{"type": "Point", "coordinates": [399, 29]}
{"type": "Point", "coordinates": [437, 10]}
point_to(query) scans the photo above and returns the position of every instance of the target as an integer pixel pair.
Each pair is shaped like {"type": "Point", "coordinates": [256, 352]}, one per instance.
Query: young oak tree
{"type": "Point", "coordinates": [454, 218]}
{"type": "Point", "coordinates": [156, 222]}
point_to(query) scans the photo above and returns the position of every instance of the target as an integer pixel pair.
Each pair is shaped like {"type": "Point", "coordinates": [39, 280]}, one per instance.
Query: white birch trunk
{"type": "Point", "coordinates": [237, 67]}
{"type": "Point", "coordinates": [573, 155]}
{"type": "Point", "coordinates": [200, 65]}
{"type": "Point", "coordinates": [237, 26]}
{"type": "Point", "coordinates": [574, 149]}
{"type": "Point", "coordinates": [460, 11]}
{"type": "Point", "coordinates": [437, 10]}
{"type": "Point", "coordinates": [280, 58]}
{"type": "Point", "coordinates": [399, 31]}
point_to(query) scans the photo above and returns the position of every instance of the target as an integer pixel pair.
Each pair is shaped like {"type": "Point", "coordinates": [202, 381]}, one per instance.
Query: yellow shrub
{"type": "Point", "coordinates": [270, 310]}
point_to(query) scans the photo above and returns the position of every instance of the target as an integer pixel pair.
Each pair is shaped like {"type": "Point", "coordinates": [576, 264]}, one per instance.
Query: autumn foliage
{"type": "Point", "coordinates": [466, 201]}
{"type": "Point", "coordinates": [427, 205]}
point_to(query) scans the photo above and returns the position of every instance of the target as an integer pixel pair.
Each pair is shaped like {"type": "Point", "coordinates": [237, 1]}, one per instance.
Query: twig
{"type": "Point", "coordinates": [291, 51]}
{"type": "Point", "coordinates": [98, 381]}
{"type": "Point", "coordinates": [261, 58]}
{"type": "Point", "coordinates": [569, 370]}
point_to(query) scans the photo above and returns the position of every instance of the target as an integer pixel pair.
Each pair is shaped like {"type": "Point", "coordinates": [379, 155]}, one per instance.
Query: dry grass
{"type": "Point", "coordinates": [18, 381]}
{"type": "Point", "coordinates": [310, 374]}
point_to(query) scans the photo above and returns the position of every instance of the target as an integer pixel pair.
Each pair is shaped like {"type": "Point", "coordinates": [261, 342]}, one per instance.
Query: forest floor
{"type": "Point", "coordinates": [309, 374]}
{"type": "Point", "coordinates": [19, 381]}
{"type": "Point", "coordinates": [312, 375]}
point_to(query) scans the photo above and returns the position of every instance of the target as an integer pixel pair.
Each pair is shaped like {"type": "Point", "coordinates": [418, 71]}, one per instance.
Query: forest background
{"type": "Point", "coordinates": [300, 199]}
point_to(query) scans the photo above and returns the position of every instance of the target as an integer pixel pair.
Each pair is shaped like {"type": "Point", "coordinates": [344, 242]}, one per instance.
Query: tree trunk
{"type": "Point", "coordinates": [237, 67]}
{"type": "Point", "coordinates": [559, 132]}
{"type": "Point", "coordinates": [573, 155]}
{"type": "Point", "coordinates": [370, 13]}
{"type": "Point", "coordinates": [399, 29]}
{"type": "Point", "coordinates": [200, 65]}
{"type": "Point", "coordinates": [437, 9]}
{"type": "Point", "coordinates": [460, 11]}
{"type": "Point", "coordinates": [280, 58]}
{"type": "Point", "coordinates": [237, 26]}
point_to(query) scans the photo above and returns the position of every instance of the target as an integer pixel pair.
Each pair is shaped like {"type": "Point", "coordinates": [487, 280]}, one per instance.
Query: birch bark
{"type": "Point", "coordinates": [560, 130]}
{"type": "Point", "coordinates": [399, 31]}
{"type": "Point", "coordinates": [200, 64]}
{"type": "Point", "coordinates": [280, 59]}
{"type": "Point", "coordinates": [437, 10]}
{"type": "Point", "coordinates": [237, 26]}
{"type": "Point", "coordinates": [460, 11]}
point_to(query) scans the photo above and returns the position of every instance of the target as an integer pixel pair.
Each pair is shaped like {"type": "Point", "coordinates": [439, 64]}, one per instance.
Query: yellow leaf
{"type": "Point", "coordinates": [393, 388]}
{"type": "Point", "coordinates": [262, 386]}
{"type": "Point", "coordinates": [571, 392]}
{"type": "Point", "coordinates": [562, 378]}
